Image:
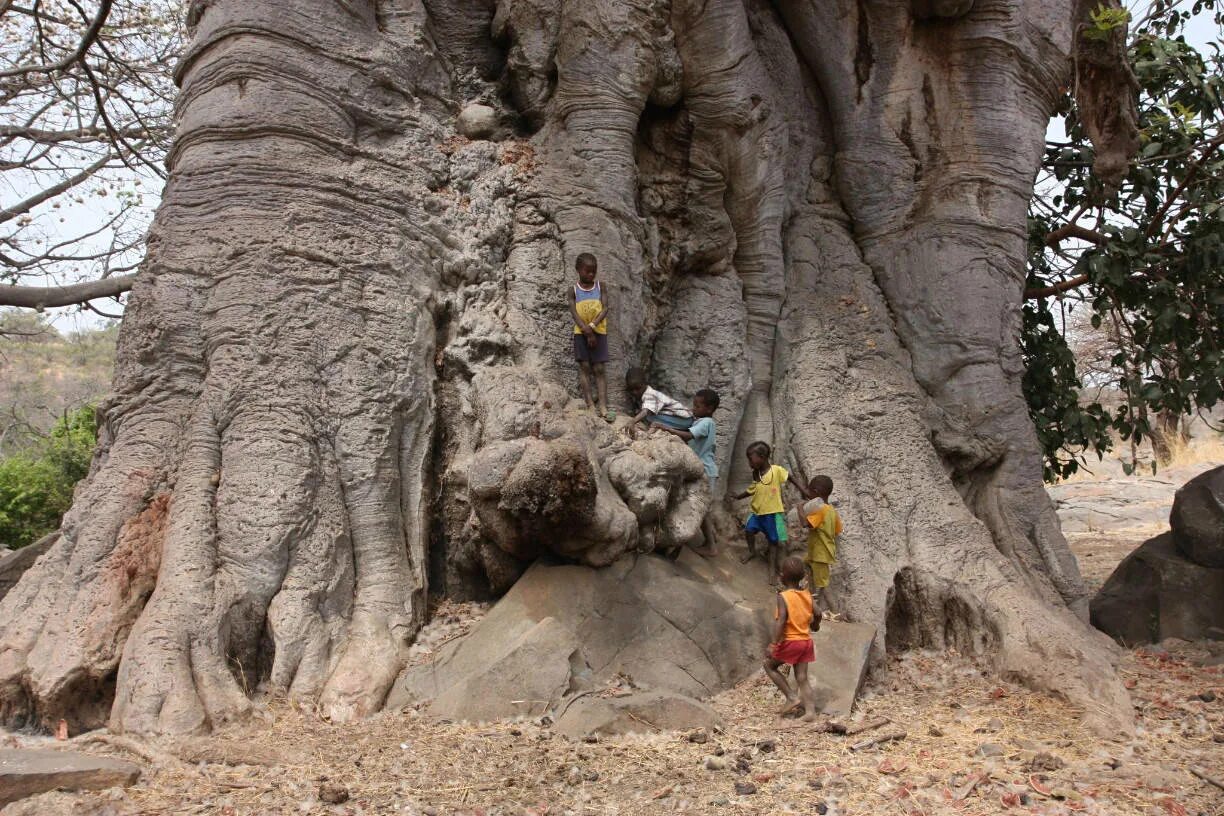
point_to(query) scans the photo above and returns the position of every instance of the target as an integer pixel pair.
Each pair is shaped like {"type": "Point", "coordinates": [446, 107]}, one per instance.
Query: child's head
{"type": "Point", "coordinates": [821, 486]}
{"type": "Point", "coordinates": [792, 571]}
{"type": "Point", "coordinates": [705, 403]}
{"type": "Point", "coordinates": [635, 383]}
{"type": "Point", "coordinates": [587, 267]}
{"type": "Point", "coordinates": [758, 455]}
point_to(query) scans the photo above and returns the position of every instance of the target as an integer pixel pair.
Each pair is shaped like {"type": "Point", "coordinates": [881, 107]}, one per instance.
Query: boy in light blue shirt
{"type": "Point", "coordinates": [700, 437]}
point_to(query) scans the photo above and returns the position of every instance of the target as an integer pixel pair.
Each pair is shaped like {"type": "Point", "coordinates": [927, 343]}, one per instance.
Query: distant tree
{"type": "Point", "coordinates": [86, 93]}
{"type": "Point", "coordinates": [1143, 259]}
{"type": "Point", "coordinates": [36, 484]}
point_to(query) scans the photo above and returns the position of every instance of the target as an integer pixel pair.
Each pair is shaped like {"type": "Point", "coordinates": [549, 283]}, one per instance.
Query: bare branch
{"type": "Point", "coordinates": [42, 297]}
{"type": "Point", "coordinates": [54, 190]}
{"type": "Point", "coordinates": [78, 55]}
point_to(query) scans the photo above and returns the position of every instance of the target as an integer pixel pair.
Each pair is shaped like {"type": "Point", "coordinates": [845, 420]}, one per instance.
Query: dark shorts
{"type": "Point", "coordinates": [585, 354]}
{"type": "Point", "coordinates": [791, 652]}
{"type": "Point", "coordinates": [773, 525]}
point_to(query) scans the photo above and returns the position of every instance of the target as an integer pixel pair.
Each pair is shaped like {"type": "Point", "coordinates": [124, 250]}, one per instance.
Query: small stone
{"type": "Point", "coordinates": [518, 732]}
{"type": "Point", "coordinates": [719, 750]}
{"type": "Point", "coordinates": [745, 788]}
{"type": "Point", "coordinates": [477, 121]}
{"type": "Point", "coordinates": [815, 784]}
{"type": "Point", "coordinates": [766, 746]}
{"type": "Point", "coordinates": [699, 736]}
{"type": "Point", "coordinates": [429, 811]}
{"type": "Point", "coordinates": [822, 808]}
{"type": "Point", "coordinates": [989, 749]}
{"type": "Point", "coordinates": [591, 776]}
{"type": "Point", "coordinates": [590, 738]}
{"type": "Point", "coordinates": [1206, 696]}
{"type": "Point", "coordinates": [333, 793]}
{"type": "Point", "coordinates": [935, 731]}
{"type": "Point", "coordinates": [742, 765]}
{"type": "Point", "coordinates": [713, 763]}
{"type": "Point", "coordinates": [1045, 761]}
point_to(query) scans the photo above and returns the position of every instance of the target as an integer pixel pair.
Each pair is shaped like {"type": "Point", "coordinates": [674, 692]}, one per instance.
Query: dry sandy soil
{"type": "Point", "coordinates": [973, 745]}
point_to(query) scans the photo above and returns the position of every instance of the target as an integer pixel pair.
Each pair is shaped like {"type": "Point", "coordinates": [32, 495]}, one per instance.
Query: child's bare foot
{"type": "Point", "coordinates": [792, 708]}
{"type": "Point", "coordinates": [751, 555]}
{"type": "Point", "coordinates": [808, 717]}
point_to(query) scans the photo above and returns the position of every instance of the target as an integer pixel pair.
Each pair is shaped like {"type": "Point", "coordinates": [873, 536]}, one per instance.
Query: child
{"type": "Point", "coordinates": [792, 642]}
{"type": "Point", "coordinates": [589, 307]}
{"type": "Point", "coordinates": [768, 513]}
{"type": "Point", "coordinates": [700, 437]}
{"type": "Point", "coordinates": [656, 408]}
{"type": "Point", "coordinates": [824, 527]}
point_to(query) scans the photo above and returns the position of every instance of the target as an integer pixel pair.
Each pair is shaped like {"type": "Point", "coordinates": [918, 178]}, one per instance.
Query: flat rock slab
{"type": "Point", "coordinates": [25, 772]}
{"type": "Point", "coordinates": [837, 675]}
{"type": "Point", "coordinates": [693, 627]}
{"type": "Point", "coordinates": [647, 712]}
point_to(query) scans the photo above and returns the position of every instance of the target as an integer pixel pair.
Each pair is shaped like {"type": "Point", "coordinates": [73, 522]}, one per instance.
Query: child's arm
{"type": "Point", "coordinates": [780, 629]}
{"type": "Point", "coordinates": [578, 321]}
{"type": "Point", "coordinates": [685, 435]}
{"type": "Point", "coordinates": [802, 488]}
{"type": "Point", "coordinates": [743, 495]}
{"type": "Point", "coordinates": [607, 306]}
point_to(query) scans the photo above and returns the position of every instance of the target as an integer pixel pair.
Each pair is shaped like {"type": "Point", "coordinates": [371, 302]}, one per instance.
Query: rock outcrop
{"type": "Point", "coordinates": [1173, 584]}
{"type": "Point", "coordinates": [689, 628]}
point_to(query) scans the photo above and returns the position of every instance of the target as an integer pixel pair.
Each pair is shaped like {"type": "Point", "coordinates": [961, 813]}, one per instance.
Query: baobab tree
{"type": "Point", "coordinates": [342, 380]}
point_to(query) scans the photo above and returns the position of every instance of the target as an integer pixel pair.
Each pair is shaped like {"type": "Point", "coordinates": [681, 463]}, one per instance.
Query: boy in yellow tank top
{"type": "Point", "coordinates": [589, 307]}
{"type": "Point", "coordinates": [824, 526]}
{"type": "Point", "coordinates": [792, 640]}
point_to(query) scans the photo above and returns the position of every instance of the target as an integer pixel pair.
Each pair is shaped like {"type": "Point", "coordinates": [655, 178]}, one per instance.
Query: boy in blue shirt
{"type": "Point", "coordinates": [700, 437]}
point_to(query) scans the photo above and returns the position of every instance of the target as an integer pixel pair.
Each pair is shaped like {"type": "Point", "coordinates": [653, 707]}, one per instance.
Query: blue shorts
{"type": "Point", "coordinates": [667, 420]}
{"type": "Point", "coordinates": [585, 354]}
{"type": "Point", "coordinates": [773, 525]}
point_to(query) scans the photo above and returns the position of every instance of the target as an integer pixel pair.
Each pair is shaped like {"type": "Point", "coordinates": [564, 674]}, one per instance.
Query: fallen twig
{"type": "Point", "coordinates": [835, 727]}
{"type": "Point", "coordinates": [886, 736]}
{"type": "Point", "coordinates": [1203, 775]}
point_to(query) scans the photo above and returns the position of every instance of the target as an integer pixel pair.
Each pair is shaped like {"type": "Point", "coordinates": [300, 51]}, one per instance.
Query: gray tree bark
{"type": "Point", "coordinates": [346, 365]}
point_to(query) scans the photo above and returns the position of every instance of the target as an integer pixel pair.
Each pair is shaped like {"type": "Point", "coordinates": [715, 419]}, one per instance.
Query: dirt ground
{"type": "Point", "coordinates": [1098, 554]}
{"type": "Point", "coordinates": [973, 745]}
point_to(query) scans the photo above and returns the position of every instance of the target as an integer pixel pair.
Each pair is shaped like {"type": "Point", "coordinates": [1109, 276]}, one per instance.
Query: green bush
{"type": "Point", "coordinates": [36, 484]}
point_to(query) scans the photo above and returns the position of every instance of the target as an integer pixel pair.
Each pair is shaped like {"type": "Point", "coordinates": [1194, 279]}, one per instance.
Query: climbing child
{"type": "Point", "coordinates": [768, 514]}
{"type": "Point", "coordinates": [792, 640]}
{"type": "Point", "coordinates": [655, 407]}
{"type": "Point", "coordinates": [589, 307]}
{"type": "Point", "coordinates": [824, 526]}
{"type": "Point", "coordinates": [700, 437]}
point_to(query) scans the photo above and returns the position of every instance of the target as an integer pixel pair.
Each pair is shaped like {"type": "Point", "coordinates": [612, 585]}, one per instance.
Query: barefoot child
{"type": "Point", "coordinates": [824, 526]}
{"type": "Point", "coordinates": [792, 642]}
{"type": "Point", "coordinates": [655, 407]}
{"type": "Point", "coordinates": [589, 307]}
{"type": "Point", "coordinates": [700, 437]}
{"type": "Point", "coordinates": [768, 513]}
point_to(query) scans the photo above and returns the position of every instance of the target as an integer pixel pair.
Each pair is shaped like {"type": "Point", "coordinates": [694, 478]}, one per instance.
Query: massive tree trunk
{"type": "Point", "coordinates": [345, 373]}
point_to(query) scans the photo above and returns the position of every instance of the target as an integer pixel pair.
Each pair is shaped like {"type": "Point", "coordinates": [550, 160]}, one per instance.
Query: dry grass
{"type": "Point", "coordinates": [1207, 450]}
{"type": "Point", "coordinates": [407, 763]}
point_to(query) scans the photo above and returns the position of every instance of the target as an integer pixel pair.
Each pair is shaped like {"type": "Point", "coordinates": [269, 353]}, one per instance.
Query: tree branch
{"type": "Point", "coordinates": [1055, 289]}
{"type": "Point", "coordinates": [51, 192]}
{"type": "Point", "coordinates": [41, 297]}
{"type": "Point", "coordinates": [91, 34]}
{"type": "Point", "coordinates": [1066, 231]}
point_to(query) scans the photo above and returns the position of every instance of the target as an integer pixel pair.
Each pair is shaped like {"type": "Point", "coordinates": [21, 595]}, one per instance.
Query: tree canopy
{"type": "Point", "coordinates": [1140, 265]}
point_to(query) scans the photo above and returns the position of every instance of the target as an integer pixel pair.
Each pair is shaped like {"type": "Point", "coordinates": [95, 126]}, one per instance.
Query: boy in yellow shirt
{"type": "Point", "coordinates": [824, 526]}
{"type": "Point", "coordinates": [589, 306]}
{"type": "Point", "coordinates": [768, 513]}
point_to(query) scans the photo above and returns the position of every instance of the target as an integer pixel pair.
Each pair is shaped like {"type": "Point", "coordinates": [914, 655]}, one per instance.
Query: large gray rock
{"type": "Point", "coordinates": [1198, 518]}
{"type": "Point", "coordinates": [15, 563]}
{"type": "Point", "coordinates": [842, 651]}
{"type": "Point", "coordinates": [693, 627]}
{"type": "Point", "coordinates": [1155, 593]}
{"type": "Point", "coordinates": [25, 772]}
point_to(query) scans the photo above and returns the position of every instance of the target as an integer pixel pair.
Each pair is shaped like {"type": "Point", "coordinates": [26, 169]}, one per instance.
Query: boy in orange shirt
{"type": "Point", "coordinates": [792, 640]}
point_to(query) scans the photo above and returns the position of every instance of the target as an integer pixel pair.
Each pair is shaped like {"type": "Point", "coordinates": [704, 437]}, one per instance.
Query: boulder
{"type": "Point", "coordinates": [1197, 519]}
{"type": "Point", "coordinates": [842, 650]}
{"type": "Point", "coordinates": [643, 712]}
{"type": "Point", "coordinates": [1156, 593]}
{"type": "Point", "coordinates": [692, 627]}
{"type": "Point", "coordinates": [14, 565]}
{"type": "Point", "coordinates": [477, 121]}
{"type": "Point", "coordinates": [25, 772]}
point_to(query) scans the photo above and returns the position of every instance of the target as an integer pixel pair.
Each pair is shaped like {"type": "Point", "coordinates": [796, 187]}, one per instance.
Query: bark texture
{"type": "Point", "coordinates": [346, 376]}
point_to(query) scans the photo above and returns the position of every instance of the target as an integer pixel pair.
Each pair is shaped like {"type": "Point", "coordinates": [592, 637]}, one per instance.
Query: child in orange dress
{"type": "Point", "coordinates": [792, 640]}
